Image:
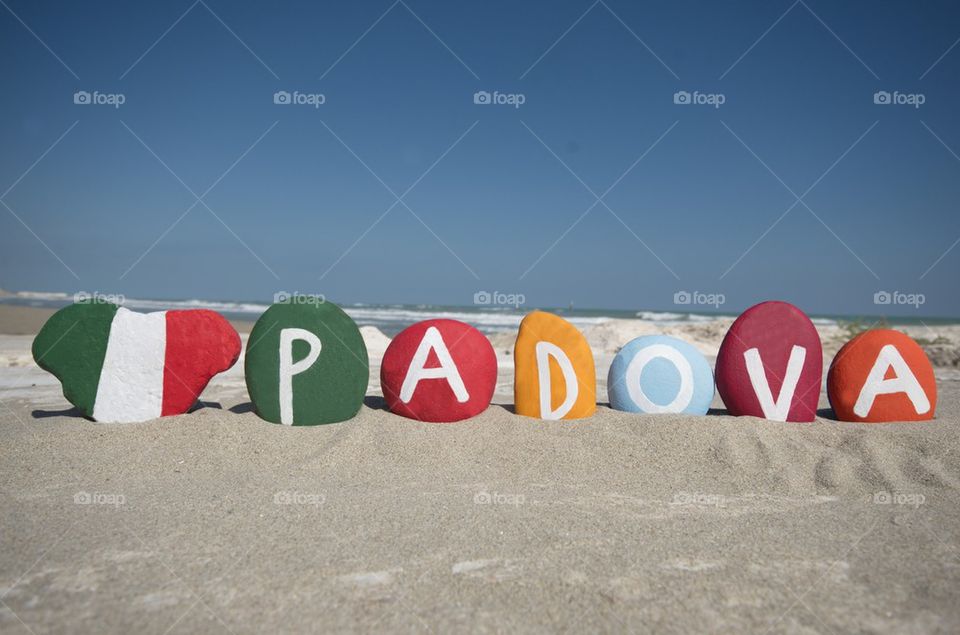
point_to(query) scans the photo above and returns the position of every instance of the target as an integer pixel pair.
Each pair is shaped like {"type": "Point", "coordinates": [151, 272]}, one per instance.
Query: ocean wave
{"type": "Point", "coordinates": [485, 321]}
{"type": "Point", "coordinates": [223, 307]}
{"type": "Point", "coordinates": [667, 316]}
{"type": "Point", "coordinates": [41, 295]}
{"type": "Point", "coordinates": [824, 321]}
{"type": "Point", "coordinates": [394, 317]}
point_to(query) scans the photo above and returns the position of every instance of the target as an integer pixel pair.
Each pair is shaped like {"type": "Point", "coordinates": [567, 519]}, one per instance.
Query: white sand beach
{"type": "Point", "coordinates": [217, 521]}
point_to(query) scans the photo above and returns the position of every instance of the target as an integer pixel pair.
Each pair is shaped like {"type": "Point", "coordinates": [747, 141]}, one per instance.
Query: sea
{"type": "Point", "coordinates": [393, 318]}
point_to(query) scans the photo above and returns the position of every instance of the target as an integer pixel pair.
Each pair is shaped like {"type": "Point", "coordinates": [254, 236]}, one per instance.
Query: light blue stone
{"type": "Point", "coordinates": [645, 376]}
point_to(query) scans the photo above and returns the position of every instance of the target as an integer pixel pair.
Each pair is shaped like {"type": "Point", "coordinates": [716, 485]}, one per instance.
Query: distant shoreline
{"type": "Point", "coordinates": [392, 318]}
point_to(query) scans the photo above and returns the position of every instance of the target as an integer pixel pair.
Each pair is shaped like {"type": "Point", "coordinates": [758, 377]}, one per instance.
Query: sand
{"type": "Point", "coordinates": [216, 521]}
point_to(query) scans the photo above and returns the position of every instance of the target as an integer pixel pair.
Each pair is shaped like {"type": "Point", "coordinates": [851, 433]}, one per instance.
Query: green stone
{"type": "Point", "coordinates": [72, 345]}
{"type": "Point", "coordinates": [329, 390]}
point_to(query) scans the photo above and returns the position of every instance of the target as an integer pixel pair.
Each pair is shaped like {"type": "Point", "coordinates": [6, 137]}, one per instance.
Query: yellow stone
{"type": "Point", "coordinates": [550, 349]}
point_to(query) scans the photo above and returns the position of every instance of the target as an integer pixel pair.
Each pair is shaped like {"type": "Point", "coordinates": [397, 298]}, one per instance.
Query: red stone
{"type": "Point", "coordinates": [766, 335]}
{"type": "Point", "coordinates": [436, 398]}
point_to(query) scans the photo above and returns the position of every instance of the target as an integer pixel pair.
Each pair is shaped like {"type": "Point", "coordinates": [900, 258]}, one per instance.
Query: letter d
{"type": "Point", "coordinates": [546, 350]}
{"type": "Point", "coordinates": [288, 368]}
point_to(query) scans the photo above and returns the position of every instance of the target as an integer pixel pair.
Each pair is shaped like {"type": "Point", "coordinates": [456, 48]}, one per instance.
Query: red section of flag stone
{"type": "Point", "coordinates": [435, 398]}
{"type": "Point", "coordinates": [773, 328]}
{"type": "Point", "coordinates": [853, 364]}
{"type": "Point", "coordinates": [200, 344]}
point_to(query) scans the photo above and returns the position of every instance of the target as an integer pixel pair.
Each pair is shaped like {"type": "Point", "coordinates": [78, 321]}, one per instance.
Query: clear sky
{"type": "Point", "coordinates": [797, 186]}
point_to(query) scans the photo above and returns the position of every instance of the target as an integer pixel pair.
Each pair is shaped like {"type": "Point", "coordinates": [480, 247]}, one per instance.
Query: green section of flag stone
{"type": "Point", "coordinates": [72, 345]}
{"type": "Point", "coordinates": [330, 390]}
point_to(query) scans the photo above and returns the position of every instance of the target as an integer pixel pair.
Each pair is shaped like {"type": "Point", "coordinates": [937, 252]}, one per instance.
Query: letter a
{"type": "Point", "coordinates": [288, 368]}
{"type": "Point", "coordinates": [905, 381]}
{"type": "Point", "coordinates": [447, 370]}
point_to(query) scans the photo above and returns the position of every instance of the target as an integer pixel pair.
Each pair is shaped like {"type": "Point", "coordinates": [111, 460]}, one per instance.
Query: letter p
{"type": "Point", "coordinates": [289, 368]}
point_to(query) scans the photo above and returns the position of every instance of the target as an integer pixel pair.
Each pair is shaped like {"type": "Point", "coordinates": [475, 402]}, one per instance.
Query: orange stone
{"type": "Point", "coordinates": [882, 375]}
{"type": "Point", "coordinates": [550, 349]}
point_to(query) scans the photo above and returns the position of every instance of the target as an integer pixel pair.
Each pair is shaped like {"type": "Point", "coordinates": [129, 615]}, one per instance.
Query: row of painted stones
{"type": "Point", "coordinates": [306, 364]}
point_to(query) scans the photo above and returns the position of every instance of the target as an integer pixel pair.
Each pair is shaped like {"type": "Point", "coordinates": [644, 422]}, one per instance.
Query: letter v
{"type": "Point", "coordinates": [779, 409]}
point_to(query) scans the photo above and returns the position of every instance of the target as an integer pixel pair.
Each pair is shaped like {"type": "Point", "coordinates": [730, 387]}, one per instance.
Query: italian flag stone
{"type": "Point", "coordinates": [119, 366]}
{"type": "Point", "coordinates": [306, 363]}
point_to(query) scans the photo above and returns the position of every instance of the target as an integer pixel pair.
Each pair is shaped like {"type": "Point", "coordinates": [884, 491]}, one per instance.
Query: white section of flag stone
{"type": "Point", "coordinates": [131, 379]}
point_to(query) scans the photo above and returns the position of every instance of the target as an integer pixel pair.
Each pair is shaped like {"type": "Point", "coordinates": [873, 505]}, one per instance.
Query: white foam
{"type": "Point", "coordinates": [667, 317]}
{"type": "Point", "coordinates": [223, 307]}
{"type": "Point", "coordinates": [41, 295]}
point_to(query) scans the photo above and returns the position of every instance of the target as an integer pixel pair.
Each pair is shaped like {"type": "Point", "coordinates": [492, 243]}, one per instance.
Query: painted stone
{"type": "Point", "coordinates": [656, 374]}
{"type": "Point", "coordinates": [882, 375]}
{"type": "Point", "coordinates": [770, 364]}
{"type": "Point", "coordinates": [439, 371]}
{"type": "Point", "coordinates": [118, 366]}
{"type": "Point", "coordinates": [306, 363]}
{"type": "Point", "coordinates": [554, 375]}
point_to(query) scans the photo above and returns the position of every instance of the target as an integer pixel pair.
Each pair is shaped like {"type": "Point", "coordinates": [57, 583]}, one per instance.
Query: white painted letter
{"type": "Point", "coordinates": [546, 350]}
{"type": "Point", "coordinates": [675, 357]}
{"type": "Point", "coordinates": [905, 381]}
{"type": "Point", "coordinates": [447, 369]}
{"type": "Point", "coordinates": [288, 369]}
{"type": "Point", "coordinates": [779, 409]}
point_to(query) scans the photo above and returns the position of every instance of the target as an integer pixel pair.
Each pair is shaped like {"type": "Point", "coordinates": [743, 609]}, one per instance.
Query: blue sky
{"type": "Point", "coordinates": [296, 197]}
